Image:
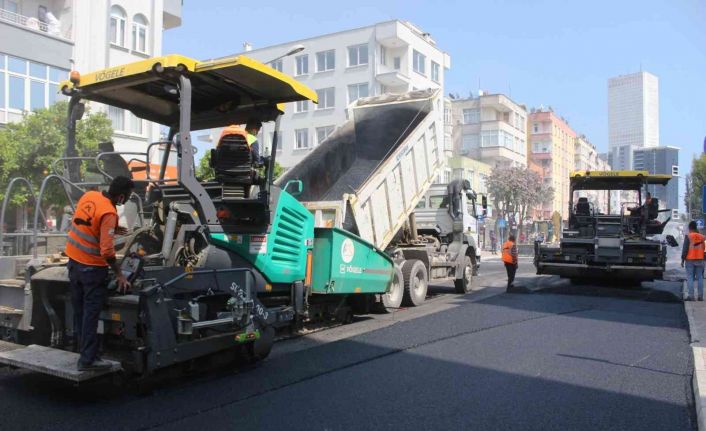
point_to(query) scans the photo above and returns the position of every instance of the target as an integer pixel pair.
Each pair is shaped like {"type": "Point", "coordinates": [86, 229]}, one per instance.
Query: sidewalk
{"type": "Point", "coordinates": [696, 314]}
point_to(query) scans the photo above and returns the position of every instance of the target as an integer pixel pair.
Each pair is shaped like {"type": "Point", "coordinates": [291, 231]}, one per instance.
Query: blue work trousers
{"type": "Point", "coordinates": [695, 274]}
{"type": "Point", "coordinates": [89, 289]}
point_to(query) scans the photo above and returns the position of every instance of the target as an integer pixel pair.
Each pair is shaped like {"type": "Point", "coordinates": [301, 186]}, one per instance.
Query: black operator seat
{"type": "Point", "coordinates": [232, 161]}
{"type": "Point", "coordinates": [583, 207]}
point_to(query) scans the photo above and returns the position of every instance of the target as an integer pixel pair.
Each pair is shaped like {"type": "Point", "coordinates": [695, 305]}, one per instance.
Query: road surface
{"type": "Point", "coordinates": [487, 360]}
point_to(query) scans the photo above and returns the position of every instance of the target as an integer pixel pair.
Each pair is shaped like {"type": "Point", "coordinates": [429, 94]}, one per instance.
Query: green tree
{"type": "Point", "coordinates": [204, 171]}
{"type": "Point", "coordinates": [29, 147]}
{"type": "Point", "coordinates": [694, 184]}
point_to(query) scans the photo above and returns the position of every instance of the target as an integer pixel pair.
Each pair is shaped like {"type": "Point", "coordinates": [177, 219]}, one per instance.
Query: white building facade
{"type": "Point", "coordinates": [490, 128]}
{"type": "Point", "coordinates": [633, 110]}
{"type": "Point", "coordinates": [47, 39]}
{"type": "Point", "coordinates": [388, 57]}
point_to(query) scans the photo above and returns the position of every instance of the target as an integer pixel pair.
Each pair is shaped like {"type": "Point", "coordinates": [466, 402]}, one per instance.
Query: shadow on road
{"type": "Point", "coordinates": [505, 362]}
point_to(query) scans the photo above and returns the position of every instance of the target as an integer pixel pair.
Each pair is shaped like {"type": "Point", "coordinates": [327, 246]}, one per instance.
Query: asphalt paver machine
{"type": "Point", "coordinates": [223, 262]}
{"type": "Point", "coordinates": [618, 240]}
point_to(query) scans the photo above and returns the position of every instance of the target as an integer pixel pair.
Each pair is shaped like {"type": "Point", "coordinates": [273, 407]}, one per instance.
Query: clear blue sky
{"type": "Point", "coordinates": [550, 52]}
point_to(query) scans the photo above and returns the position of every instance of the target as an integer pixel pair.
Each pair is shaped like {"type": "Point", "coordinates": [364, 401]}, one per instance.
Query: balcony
{"type": "Point", "coordinates": [390, 77]}
{"type": "Point", "coordinates": [53, 23]}
{"type": "Point", "coordinates": [172, 13]}
{"type": "Point", "coordinates": [390, 34]}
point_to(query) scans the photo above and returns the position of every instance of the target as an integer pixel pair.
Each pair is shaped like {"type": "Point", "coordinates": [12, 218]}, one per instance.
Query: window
{"type": "Point", "coordinates": [301, 106]}
{"type": "Point", "coordinates": [9, 5]}
{"type": "Point", "coordinates": [325, 60]}
{"type": "Point", "coordinates": [117, 26]}
{"type": "Point", "coordinates": [302, 64]}
{"type": "Point", "coordinates": [57, 75]}
{"type": "Point", "coordinates": [470, 142]}
{"type": "Point", "coordinates": [37, 94]}
{"type": "Point", "coordinates": [357, 55]}
{"type": "Point", "coordinates": [135, 124]}
{"type": "Point", "coordinates": [37, 70]}
{"type": "Point", "coordinates": [16, 65]}
{"type": "Point", "coordinates": [139, 33]}
{"type": "Point", "coordinates": [397, 63]}
{"type": "Point", "coordinates": [277, 65]}
{"type": "Point", "coordinates": [435, 71]}
{"type": "Point", "coordinates": [16, 90]}
{"type": "Point", "coordinates": [418, 62]}
{"type": "Point", "coordinates": [2, 92]}
{"type": "Point", "coordinates": [440, 201]}
{"type": "Point", "coordinates": [357, 91]}
{"type": "Point", "coordinates": [383, 55]}
{"type": "Point", "coordinates": [489, 138]}
{"type": "Point", "coordinates": [301, 139]}
{"type": "Point", "coordinates": [471, 116]}
{"type": "Point", "coordinates": [117, 117]}
{"type": "Point", "coordinates": [535, 127]}
{"type": "Point", "coordinates": [327, 98]}
{"type": "Point", "coordinates": [322, 133]}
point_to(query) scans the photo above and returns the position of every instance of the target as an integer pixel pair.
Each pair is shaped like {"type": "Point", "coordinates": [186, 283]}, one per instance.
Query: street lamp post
{"type": "Point", "coordinates": [293, 50]}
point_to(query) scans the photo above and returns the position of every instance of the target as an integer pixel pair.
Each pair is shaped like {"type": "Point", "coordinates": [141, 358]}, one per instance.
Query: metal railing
{"type": "Point", "coordinates": [31, 23]}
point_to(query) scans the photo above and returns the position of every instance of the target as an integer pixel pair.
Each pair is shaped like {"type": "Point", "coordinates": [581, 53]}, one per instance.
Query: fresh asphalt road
{"type": "Point", "coordinates": [486, 360]}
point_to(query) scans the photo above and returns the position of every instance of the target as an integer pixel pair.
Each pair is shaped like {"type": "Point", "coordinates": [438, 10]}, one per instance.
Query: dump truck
{"type": "Point", "coordinates": [615, 240]}
{"type": "Point", "coordinates": [222, 263]}
{"type": "Point", "coordinates": [368, 177]}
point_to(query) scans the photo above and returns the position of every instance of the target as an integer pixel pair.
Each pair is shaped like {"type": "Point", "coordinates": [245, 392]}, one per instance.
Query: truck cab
{"type": "Point", "coordinates": [433, 216]}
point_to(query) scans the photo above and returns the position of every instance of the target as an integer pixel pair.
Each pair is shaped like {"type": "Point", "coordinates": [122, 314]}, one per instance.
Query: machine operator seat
{"type": "Point", "coordinates": [583, 207]}
{"type": "Point", "coordinates": [232, 162]}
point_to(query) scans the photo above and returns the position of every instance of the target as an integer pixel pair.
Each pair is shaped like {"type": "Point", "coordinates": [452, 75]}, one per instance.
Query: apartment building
{"type": "Point", "coordinates": [44, 40]}
{"type": "Point", "coordinates": [490, 128]}
{"type": "Point", "coordinates": [476, 172]}
{"type": "Point", "coordinates": [552, 147]}
{"type": "Point", "coordinates": [388, 57]}
{"type": "Point", "coordinates": [587, 158]}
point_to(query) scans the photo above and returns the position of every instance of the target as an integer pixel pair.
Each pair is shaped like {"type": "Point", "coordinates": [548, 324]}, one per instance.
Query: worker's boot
{"type": "Point", "coordinates": [96, 365]}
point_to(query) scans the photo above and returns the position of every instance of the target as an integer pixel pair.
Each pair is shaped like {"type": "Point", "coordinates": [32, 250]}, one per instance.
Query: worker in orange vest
{"type": "Point", "coordinates": [91, 252]}
{"type": "Point", "coordinates": [509, 256]}
{"type": "Point", "coordinates": [693, 256]}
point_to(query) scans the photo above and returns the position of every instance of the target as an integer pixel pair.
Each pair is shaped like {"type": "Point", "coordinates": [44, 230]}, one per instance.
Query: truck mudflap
{"type": "Point", "coordinates": [50, 361]}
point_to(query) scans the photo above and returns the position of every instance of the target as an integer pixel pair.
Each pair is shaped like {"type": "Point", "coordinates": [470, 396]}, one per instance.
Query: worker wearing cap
{"type": "Point", "coordinates": [509, 256]}
{"type": "Point", "coordinates": [91, 252]}
{"type": "Point", "coordinates": [692, 257]}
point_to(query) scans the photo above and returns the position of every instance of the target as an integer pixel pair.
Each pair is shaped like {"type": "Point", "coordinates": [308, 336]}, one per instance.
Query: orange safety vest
{"type": "Point", "coordinates": [83, 243]}
{"type": "Point", "coordinates": [696, 247]}
{"type": "Point", "coordinates": [507, 252]}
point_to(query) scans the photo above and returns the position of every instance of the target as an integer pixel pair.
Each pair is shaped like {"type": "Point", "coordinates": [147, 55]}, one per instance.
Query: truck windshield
{"type": "Point", "coordinates": [439, 201]}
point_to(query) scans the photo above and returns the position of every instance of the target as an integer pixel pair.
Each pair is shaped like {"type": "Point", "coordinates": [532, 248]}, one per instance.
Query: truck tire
{"type": "Point", "coordinates": [393, 299]}
{"type": "Point", "coordinates": [416, 282]}
{"type": "Point", "coordinates": [465, 283]}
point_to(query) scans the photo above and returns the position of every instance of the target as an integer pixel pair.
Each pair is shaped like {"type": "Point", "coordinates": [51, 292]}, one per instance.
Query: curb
{"type": "Point", "coordinates": [699, 380]}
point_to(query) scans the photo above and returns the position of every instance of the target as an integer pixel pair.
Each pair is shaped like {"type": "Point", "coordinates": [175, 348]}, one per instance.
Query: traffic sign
{"type": "Point", "coordinates": [700, 223]}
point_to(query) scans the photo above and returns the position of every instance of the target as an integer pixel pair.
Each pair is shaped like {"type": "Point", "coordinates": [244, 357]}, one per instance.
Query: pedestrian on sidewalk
{"type": "Point", "coordinates": [493, 242]}
{"type": "Point", "coordinates": [692, 257]}
{"type": "Point", "coordinates": [509, 256]}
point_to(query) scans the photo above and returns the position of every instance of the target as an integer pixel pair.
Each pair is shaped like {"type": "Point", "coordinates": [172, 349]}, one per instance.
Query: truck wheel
{"type": "Point", "coordinates": [393, 299]}
{"type": "Point", "coordinates": [416, 282]}
{"type": "Point", "coordinates": [465, 283]}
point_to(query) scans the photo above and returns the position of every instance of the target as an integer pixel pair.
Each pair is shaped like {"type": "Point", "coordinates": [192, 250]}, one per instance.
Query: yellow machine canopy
{"type": "Point", "coordinates": [615, 180]}
{"type": "Point", "coordinates": [226, 91]}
